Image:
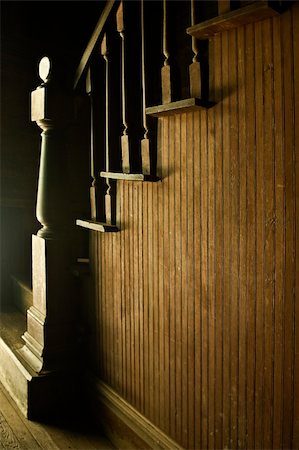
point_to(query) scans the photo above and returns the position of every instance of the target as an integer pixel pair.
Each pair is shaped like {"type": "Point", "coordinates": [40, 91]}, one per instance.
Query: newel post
{"type": "Point", "coordinates": [51, 109]}
{"type": "Point", "coordinates": [49, 339]}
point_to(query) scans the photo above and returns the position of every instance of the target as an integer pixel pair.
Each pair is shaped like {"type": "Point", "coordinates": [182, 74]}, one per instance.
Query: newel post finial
{"type": "Point", "coordinates": [51, 109]}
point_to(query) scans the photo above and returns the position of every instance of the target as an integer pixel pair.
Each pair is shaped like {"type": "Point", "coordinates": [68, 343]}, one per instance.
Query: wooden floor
{"type": "Point", "coordinates": [18, 433]}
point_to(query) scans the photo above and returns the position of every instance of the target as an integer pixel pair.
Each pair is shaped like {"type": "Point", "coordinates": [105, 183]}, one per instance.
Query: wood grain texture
{"type": "Point", "coordinates": [279, 237]}
{"type": "Point", "coordinates": [290, 214]}
{"type": "Point", "coordinates": [197, 315]}
{"type": "Point", "coordinates": [17, 432]}
{"type": "Point", "coordinates": [296, 303]}
{"type": "Point", "coordinates": [226, 243]}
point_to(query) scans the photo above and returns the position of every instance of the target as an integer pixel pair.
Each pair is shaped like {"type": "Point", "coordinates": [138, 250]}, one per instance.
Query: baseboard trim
{"type": "Point", "coordinates": [37, 396]}
{"type": "Point", "coordinates": [143, 432]}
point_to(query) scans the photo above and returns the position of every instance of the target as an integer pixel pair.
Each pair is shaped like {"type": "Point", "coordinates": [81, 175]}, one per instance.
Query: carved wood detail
{"type": "Point", "coordinates": [52, 112]}
{"type": "Point", "coordinates": [93, 207]}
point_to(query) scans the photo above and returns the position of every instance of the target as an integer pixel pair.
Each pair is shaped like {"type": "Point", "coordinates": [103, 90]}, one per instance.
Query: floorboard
{"type": "Point", "coordinates": [16, 432]}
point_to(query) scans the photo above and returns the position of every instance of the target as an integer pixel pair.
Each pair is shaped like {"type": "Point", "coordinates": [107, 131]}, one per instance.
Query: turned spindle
{"type": "Point", "coordinates": [223, 6]}
{"type": "Point", "coordinates": [92, 190]}
{"type": "Point", "coordinates": [166, 71]}
{"type": "Point", "coordinates": [125, 143]}
{"type": "Point", "coordinates": [105, 53]}
{"type": "Point", "coordinates": [194, 68]}
{"type": "Point", "coordinates": [145, 143]}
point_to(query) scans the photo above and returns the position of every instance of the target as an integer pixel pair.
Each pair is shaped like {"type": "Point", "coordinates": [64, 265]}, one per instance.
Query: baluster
{"type": "Point", "coordinates": [92, 189]}
{"type": "Point", "coordinates": [166, 72]}
{"type": "Point", "coordinates": [223, 6]}
{"type": "Point", "coordinates": [194, 68]}
{"type": "Point", "coordinates": [105, 53]}
{"type": "Point", "coordinates": [145, 145]}
{"type": "Point", "coordinates": [125, 144]}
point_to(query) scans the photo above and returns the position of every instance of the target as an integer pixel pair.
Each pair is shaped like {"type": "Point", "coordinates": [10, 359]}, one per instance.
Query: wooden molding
{"type": "Point", "coordinates": [14, 375]}
{"type": "Point", "coordinates": [96, 226]}
{"type": "Point", "coordinates": [181, 106]}
{"type": "Point", "coordinates": [132, 422]}
{"type": "Point", "coordinates": [93, 40]}
{"type": "Point", "coordinates": [129, 176]}
{"type": "Point", "coordinates": [37, 396]}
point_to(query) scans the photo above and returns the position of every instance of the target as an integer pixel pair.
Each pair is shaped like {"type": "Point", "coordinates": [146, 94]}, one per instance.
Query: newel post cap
{"type": "Point", "coordinates": [50, 102]}
{"type": "Point", "coordinates": [45, 68]}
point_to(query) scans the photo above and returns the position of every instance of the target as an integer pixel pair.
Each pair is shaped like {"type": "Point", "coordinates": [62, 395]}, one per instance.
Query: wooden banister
{"type": "Point", "coordinates": [96, 35]}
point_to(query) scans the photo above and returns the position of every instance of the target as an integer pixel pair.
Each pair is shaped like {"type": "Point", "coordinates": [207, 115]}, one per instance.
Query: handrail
{"type": "Point", "coordinates": [99, 29]}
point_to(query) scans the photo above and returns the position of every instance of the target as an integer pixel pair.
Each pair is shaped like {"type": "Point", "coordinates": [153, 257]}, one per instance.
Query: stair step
{"type": "Point", "coordinates": [22, 294]}
{"type": "Point", "coordinates": [37, 395]}
{"type": "Point", "coordinates": [15, 375]}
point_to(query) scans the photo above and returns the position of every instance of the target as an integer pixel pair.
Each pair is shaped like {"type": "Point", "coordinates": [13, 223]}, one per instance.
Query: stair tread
{"type": "Point", "coordinates": [12, 327]}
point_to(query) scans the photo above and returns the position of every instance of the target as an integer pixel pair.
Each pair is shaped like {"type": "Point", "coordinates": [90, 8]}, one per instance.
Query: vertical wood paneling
{"type": "Point", "coordinates": [131, 294]}
{"type": "Point", "coordinates": [110, 311]}
{"type": "Point", "coordinates": [196, 257]}
{"type": "Point", "coordinates": [184, 277]}
{"type": "Point", "coordinates": [123, 288]}
{"type": "Point", "coordinates": [151, 353]}
{"type": "Point", "coordinates": [234, 234]}
{"type": "Point", "coordinates": [211, 313]}
{"type": "Point", "coordinates": [269, 224]}
{"type": "Point", "coordinates": [135, 294]}
{"type": "Point", "coordinates": [156, 302]}
{"type": "Point", "coordinates": [96, 344]}
{"type": "Point", "coordinates": [140, 302]}
{"type": "Point", "coordinates": [290, 214]}
{"type": "Point", "coordinates": [118, 282]}
{"type": "Point", "coordinates": [219, 211]}
{"type": "Point", "coordinates": [279, 237]}
{"type": "Point", "coordinates": [260, 268]}
{"type": "Point", "coordinates": [172, 269]}
{"type": "Point", "coordinates": [166, 290]}
{"type": "Point", "coordinates": [160, 280]}
{"type": "Point", "coordinates": [226, 242]}
{"type": "Point", "coordinates": [190, 298]}
{"type": "Point", "coordinates": [204, 281]}
{"type": "Point", "coordinates": [127, 315]}
{"type": "Point", "coordinates": [196, 315]}
{"type": "Point", "coordinates": [296, 311]}
{"type": "Point", "coordinates": [177, 352]}
{"type": "Point", "coordinates": [242, 308]}
{"type": "Point", "coordinates": [251, 235]}
{"type": "Point", "coordinates": [160, 275]}
{"type": "Point", "coordinates": [146, 301]}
